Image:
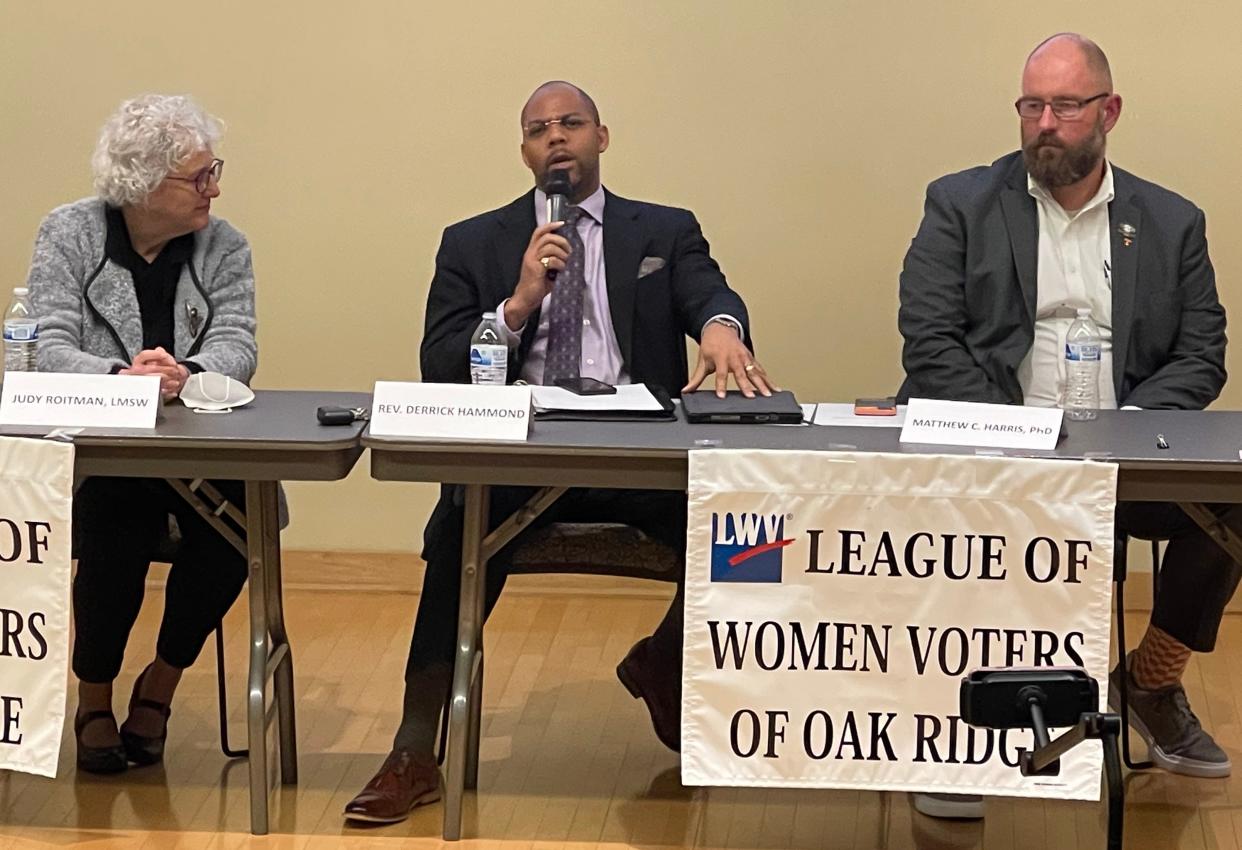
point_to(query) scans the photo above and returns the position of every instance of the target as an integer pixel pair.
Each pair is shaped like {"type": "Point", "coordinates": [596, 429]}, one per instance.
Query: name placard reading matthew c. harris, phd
{"type": "Point", "coordinates": [83, 401]}
{"type": "Point", "coordinates": [968, 423]}
{"type": "Point", "coordinates": [455, 411]}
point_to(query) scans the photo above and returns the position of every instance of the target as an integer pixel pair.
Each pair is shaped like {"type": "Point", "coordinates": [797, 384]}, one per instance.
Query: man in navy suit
{"type": "Point", "coordinates": [632, 280]}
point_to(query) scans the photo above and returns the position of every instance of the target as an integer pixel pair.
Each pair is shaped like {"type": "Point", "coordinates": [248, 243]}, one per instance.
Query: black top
{"type": "Point", "coordinates": [155, 283]}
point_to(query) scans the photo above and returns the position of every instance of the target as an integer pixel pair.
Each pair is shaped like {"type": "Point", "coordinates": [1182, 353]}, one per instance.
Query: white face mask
{"type": "Point", "coordinates": [211, 392]}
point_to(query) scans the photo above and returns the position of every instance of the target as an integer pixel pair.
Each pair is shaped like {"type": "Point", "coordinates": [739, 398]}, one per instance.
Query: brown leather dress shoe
{"type": "Point", "coordinates": [661, 693]}
{"type": "Point", "coordinates": [404, 781]}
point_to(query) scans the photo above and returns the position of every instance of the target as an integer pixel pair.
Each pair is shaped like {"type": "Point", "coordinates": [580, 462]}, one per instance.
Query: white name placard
{"type": "Point", "coordinates": [456, 411]}
{"type": "Point", "coordinates": [84, 401]}
{"type": "Point", "coordinates": [965, 423]}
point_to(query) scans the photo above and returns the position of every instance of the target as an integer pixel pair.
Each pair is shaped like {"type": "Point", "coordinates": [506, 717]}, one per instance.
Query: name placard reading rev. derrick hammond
{"type": "Point", "coordinates": [82, 401]}
{"type": "Point", "coordinates": [456, 411]}
{"type": "Point", "coordinates": [965, 423]}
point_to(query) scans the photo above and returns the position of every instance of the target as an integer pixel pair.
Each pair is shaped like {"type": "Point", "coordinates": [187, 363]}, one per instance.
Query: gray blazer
{"type": "Point", "coordinates": [88, 309]}
{"type": "Point", "coordinates": [968, 290]}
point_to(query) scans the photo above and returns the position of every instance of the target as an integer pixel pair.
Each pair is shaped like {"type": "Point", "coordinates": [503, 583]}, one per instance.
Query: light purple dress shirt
{"type": "Point", "coordinates": [601, 354]}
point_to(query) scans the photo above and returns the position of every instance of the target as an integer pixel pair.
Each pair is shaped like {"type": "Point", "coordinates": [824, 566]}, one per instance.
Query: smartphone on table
{"type": "Point", "coordinates": [585, 386]}
{"type": "Point", "coordinates": [875, 406]}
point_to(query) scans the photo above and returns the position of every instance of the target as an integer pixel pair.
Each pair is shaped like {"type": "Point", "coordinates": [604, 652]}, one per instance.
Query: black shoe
{"type": "Point", "coordinates": [663, 698]}
{"type": "Point", "coordinates": [144, 749]}
{"type": "Point", "coordinates": [109, 759]}
{"type": "Point", "coordinates": [1175, 739]}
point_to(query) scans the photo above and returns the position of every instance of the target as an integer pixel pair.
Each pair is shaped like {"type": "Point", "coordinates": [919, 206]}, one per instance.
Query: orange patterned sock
{"type": "Point", "coordinates": [1159, 660]}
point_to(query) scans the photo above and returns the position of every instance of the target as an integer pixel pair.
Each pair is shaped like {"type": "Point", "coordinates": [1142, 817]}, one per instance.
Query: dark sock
{"type": "Point", "coordinates": [425, 693]}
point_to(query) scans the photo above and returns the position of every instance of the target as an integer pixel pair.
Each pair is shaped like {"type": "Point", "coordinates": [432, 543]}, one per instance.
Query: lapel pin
{"type": "Point", "coordinates": [1128, 233]}
{"type": "Point", "coordinates": [193, 318]}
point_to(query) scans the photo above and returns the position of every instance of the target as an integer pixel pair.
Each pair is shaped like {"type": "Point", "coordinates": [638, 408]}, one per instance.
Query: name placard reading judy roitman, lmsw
{"type": "Point", "coordinates": [84, 401]}
{"type": "Point", "coordinates": [965, 423]}
{"type": "Point", "coordinates": [455, 411]}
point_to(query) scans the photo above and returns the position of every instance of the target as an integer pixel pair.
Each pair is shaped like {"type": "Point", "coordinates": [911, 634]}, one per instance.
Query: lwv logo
{"type": "Point", "coordinates": [747, 547]}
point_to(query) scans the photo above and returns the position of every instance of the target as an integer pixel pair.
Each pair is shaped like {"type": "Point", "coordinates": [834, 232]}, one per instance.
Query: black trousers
{"type": "Point", "coordinates": [1197, 577]}
{"type": "Point", "coordinates": [118, 526]}
{"type": "Point", "coordinates": [659, 514]}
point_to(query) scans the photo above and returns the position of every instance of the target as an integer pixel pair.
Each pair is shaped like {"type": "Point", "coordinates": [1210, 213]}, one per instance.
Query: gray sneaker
{"type": "Point", "coordinates": [1175, 739]}
{"type": "Point", "coordinates": [958, 806]}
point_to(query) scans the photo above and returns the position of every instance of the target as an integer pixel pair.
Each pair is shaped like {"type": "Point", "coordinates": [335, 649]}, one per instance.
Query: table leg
{"type": "Point", "coordinates": [475, 725]}
{"type": "Point", "coordinates": [469, 634]}
{"type": "Point", "coordinates": [256, 714]}
{"type": "Point", "coordinates": [466, 698]}
{"type": "Point", "coordinates": [270, 655]}
{"type": "Point", "coordinates": [282, 653]}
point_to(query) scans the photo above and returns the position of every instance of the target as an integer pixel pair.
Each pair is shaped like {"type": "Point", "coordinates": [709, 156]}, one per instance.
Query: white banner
{"type": "Point", "coordinates": [834, 601]}
{"type": "Point", "coordinates": [36, 493]}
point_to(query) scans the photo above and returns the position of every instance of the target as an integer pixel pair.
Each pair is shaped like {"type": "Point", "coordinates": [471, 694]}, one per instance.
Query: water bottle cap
{"type": "Point", "coordinates": [1084, 312]}
{"type": "Point", "coordinates": [490, 314]}
{"type": "Point", "coordinates": [21, 291]}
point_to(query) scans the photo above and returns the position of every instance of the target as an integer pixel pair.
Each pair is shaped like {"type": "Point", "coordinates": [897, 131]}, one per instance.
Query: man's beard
{"type": "Point", "coordinates": [1053, 165]}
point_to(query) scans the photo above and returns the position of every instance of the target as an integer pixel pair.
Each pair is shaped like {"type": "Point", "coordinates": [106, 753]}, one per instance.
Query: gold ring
{"type": "Point", "coordinates": [544, 260]}
{"type": "Point", "coordinates": [750, 367]}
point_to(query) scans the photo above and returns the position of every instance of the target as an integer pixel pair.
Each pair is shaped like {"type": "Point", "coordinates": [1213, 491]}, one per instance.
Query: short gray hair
{"type": "Point", "coordinates": [145, 140]}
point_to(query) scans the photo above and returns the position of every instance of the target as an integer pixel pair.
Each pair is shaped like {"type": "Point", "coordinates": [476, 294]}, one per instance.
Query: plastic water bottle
{"type": "Point", "coordinates": [21, 333]}
{"type": "Point", "coordinates": [1082, 367]}
{"type": "Point", "coordinates": [489, 354]}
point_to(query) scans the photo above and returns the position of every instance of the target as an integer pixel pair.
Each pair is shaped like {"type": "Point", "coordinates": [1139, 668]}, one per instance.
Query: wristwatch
{"type": "Point", "coordinates": [728, 323]}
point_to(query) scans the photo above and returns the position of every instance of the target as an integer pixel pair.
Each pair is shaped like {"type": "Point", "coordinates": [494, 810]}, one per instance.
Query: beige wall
{"type": "Point", "coordinates": [803, 135]}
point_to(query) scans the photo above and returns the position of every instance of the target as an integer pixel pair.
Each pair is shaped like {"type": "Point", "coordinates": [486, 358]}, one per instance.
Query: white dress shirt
{"type": "Point", "coordinates": [1074, 270]}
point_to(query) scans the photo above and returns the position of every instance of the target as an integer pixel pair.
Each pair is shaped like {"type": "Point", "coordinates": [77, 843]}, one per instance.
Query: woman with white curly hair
{"type": "Point", "coordinates": [143, 280]}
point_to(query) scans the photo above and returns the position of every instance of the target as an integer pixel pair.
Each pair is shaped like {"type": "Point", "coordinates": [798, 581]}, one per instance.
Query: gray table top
{"type": "Point", "coordinates": [275, 437]}
{"type": "Point", "coordinates": [1201, 464]}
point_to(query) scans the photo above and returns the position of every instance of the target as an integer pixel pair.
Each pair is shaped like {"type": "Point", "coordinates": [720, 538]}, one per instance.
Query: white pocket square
{"type": "Point", "coordinates": [649, 265]}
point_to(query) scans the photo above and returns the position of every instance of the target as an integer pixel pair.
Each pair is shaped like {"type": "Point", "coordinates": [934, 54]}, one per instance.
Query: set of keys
{"type": "Point", "coordinates": [333, 415]}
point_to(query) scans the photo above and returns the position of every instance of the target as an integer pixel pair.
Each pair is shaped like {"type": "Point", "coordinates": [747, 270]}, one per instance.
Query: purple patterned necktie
{"type": "Point", "coordinates": [564, 357]}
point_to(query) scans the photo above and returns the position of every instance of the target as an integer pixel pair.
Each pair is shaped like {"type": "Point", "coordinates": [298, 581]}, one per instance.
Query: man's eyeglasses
{"type": "Point", "coordinates": [569, 123]}
{"type": "Point", "coordinates": [1064, 108]}
{"type": "Point", "coordinates": [202, 180]}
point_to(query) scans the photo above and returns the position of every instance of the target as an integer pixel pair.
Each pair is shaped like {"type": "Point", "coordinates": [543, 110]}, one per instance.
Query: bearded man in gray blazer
{"type": "Point", "coordinates": [1004, 256]}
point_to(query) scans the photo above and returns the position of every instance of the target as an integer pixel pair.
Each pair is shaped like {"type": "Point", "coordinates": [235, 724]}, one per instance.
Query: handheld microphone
{"type": "Point", "coordinates": [557, 190]}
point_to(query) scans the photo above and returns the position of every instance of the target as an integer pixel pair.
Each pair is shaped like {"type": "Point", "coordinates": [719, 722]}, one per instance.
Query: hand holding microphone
{"type": "Point", "coordinates": [558, 202]}
{"type": "Point", "coordinates": [545, 256]}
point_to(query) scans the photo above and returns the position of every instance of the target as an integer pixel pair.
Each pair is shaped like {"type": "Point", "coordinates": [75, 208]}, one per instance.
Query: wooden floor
{"type": "Point", "coordinates": [568, 759]}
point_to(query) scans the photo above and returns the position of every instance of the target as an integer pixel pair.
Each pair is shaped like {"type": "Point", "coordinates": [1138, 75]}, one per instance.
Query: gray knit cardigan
{"type": "Point", "coordinates": [88, 309]}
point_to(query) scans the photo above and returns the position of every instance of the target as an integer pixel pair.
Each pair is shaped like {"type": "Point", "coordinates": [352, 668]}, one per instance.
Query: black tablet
{"type": "Point", "coordinates": [780, 408]}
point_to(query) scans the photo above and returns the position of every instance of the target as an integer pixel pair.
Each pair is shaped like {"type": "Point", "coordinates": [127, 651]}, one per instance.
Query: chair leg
{"type": "Point", "coordinates": [1155, 573]}
{"type": "Point", "coordinates": [228, 751]}
{"type": "Point", "coordinates": [1123, 695]}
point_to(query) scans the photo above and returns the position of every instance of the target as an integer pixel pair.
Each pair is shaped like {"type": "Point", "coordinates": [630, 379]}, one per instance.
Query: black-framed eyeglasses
{"type": "Point", "coordinates": [1064, 108]}
{"type": "Point", "coordinates": [202, 179]}
{"type": "Point", "coordinates": [571, 123]}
